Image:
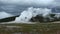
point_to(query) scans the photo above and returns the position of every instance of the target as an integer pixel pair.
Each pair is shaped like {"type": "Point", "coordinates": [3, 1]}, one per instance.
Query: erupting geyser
{"type": "Point", "coordinates": [33, 12]}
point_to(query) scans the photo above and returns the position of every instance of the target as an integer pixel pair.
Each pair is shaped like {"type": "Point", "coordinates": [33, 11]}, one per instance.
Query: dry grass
{"type": "Point", "coordinates": [40, 28]}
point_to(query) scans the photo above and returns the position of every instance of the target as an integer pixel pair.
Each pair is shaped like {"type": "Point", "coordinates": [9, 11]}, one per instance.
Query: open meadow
{"type": "Point", "coordinates": [37, 28]}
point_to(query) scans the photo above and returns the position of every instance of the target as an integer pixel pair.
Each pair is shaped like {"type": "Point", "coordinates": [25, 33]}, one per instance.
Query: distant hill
{"type": "Point", "coordinates": [6, 17]}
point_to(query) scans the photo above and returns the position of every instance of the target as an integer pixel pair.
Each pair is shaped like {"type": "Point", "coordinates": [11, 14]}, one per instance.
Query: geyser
{"type": "Point", "coordinates": [26, 15]}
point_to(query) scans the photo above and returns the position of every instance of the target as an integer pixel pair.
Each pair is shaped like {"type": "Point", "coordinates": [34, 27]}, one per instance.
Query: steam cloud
{"type": "Point", "coordinates": [32, 12]}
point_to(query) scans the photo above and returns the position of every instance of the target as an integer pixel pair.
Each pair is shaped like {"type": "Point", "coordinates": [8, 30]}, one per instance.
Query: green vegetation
{"type": "Point", "coordinates": [41, 28]}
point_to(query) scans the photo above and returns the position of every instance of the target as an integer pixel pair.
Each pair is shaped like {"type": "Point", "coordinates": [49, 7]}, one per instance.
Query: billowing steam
{"type": "Point", "coordinates": [33, 12]}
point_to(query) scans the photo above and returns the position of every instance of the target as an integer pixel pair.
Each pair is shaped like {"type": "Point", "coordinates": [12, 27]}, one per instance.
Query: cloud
{"type": "Point", "coordinates": [4, 15]}
{"type": "Point", "coordinates": [28, 2]}
{"type": "Point", "coordinates": [8, 7]}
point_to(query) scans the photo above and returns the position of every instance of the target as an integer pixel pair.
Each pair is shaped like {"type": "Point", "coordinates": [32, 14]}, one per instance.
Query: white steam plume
{"type": "Point", "coordinates": [32, 12]}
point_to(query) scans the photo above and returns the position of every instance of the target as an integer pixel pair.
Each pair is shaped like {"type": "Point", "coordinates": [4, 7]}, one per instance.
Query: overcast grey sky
{"type": "Point", "coordinates": [32, 2]}
{"type": "Point", "coordinates": [17, 6]}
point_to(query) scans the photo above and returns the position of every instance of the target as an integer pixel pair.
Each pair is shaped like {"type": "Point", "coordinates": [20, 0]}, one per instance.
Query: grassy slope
{"type": "Point", "coordinates": [42, 28]}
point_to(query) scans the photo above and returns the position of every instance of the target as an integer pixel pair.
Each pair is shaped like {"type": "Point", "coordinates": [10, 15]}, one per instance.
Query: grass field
{"type": "Point", "coordinates": [38, 28]}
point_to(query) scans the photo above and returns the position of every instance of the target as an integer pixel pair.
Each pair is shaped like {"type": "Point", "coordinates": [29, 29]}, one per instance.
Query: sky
{"type": "Point", "coordinates": [32, 2]}
{"type": "Point", "coordinates": [17, 6]}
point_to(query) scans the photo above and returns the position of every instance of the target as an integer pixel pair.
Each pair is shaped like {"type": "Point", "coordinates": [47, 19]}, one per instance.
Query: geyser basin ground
{"type": "Point", "coordinates": [41, 28]}
{"type": "Point", "coordinates": [13, 22]}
